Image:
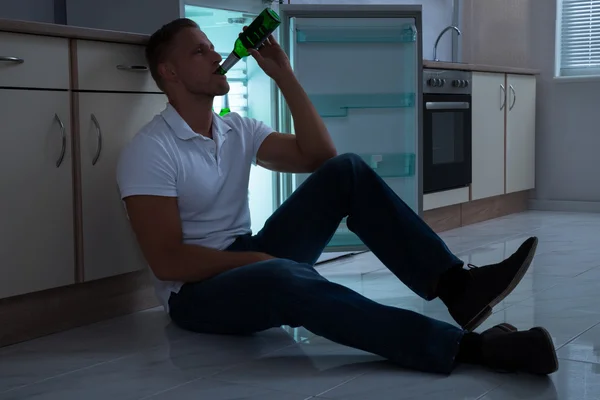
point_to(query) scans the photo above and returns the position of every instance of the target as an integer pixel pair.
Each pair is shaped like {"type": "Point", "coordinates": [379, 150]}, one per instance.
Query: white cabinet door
{"type": "Point", "coordinates": [489, 103]}
{"type": "Point", "coordinates": [108, 121]}
{"type": "Point", "coordinates": [520, 133]}
{"type": "Point", "coordinates": [37, 250]}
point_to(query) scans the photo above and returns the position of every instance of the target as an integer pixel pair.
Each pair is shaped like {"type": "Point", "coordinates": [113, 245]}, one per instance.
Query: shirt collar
{"type": "Point", "coordinates": [183, 131]}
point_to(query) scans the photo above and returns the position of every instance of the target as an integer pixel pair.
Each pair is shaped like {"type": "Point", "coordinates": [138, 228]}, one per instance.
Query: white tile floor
{"type": "Point", "coordinates": [143, 356]}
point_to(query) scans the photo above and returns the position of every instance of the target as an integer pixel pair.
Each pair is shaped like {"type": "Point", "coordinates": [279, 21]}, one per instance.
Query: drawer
{"type": "Point", "coordinates": [34, 61]}
{"type": "Point", "coordinates": [112, 67]}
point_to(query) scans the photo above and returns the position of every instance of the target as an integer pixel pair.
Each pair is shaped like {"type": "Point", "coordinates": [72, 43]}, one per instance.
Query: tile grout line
{"type": "Point", "coordinates": [341, 384]}
{"type": "Point", "coordinates": [133, 354]}
{"type": "Point", "coordinates": [579, 361]}
{"type": "Point", "coordinates": [225, 369]}
{"type": "Point", "coordinates": [490, 391]}
{"type": "Point", "coordinates": [578, 336]}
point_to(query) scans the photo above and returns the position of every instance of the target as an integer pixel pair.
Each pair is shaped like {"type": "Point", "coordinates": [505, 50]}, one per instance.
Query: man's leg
{"type": "Point", "coordinates": [347, 186]}
{"type": "Point", "coordinates": [279, 292]}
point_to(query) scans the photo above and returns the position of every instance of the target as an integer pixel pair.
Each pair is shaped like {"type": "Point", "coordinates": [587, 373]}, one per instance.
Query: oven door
{"type": "Point", "coordinates": [446, 142]}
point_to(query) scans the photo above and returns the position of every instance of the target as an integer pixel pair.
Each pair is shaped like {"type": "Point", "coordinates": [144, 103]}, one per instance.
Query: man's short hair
{"type": "Point", "coordinates": [158, 45]}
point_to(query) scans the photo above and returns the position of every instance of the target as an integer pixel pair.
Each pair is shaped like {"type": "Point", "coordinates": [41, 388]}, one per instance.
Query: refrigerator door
{"type": "Point", "coordinates": [362, 68]}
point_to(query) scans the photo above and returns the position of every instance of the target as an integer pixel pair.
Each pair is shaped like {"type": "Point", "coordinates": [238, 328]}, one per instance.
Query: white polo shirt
{"type": "Point", "coordinates": [209, 177]}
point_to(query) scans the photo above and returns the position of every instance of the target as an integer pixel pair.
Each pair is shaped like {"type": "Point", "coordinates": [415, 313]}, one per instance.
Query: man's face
{"type": "Point", "coordinates": [192, 63]}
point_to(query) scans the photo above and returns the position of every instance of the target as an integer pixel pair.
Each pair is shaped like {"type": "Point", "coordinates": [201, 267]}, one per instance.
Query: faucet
{"type": "Point", "coordinates": [440, 36]}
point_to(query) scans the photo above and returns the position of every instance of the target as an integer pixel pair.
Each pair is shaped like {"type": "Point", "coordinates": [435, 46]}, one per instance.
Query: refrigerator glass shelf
{"type": "Point", "coordinates": [337, 105]}
{"type": "Point", "coordinates": [391, 165]}
{"type": "Point", "coordinates": [356, 34]}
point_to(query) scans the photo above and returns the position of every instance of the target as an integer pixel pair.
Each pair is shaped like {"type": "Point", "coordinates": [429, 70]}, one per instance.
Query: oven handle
{"type": "Point", "coordinates": [447, 105]}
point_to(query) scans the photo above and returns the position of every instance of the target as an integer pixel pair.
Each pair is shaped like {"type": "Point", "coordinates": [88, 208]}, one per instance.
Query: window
{"type": "Point", "coordinates": [578, 38]}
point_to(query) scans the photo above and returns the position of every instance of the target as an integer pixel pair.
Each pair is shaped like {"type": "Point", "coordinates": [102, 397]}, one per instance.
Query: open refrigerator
{"type": "Point", "coordinates": [361, 65]}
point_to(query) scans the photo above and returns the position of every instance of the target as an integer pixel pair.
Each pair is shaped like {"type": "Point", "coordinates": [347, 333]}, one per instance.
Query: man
{"type": "Point", "coordinates": [184, 180]}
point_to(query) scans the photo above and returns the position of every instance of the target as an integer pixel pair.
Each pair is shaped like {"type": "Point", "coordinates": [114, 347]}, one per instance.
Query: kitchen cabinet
{"type": "Point", "coordinates": [489, 103]}
{"type": "Point", "coordinates": [113, 67]}
{"type": "Point", "coordinates": [520, 132]}
{"type": "Point", "coordinates": [34, 61]}
{"type": "Point", "coordinates": [37, 233]}
{"type": "Point", "coordinates": [108, 121]}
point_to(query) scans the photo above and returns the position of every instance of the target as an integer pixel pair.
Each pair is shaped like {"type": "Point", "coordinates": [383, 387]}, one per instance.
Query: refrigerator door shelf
{"type": "Point", "coordinates": [391, 165]}
{"type": "Point", "coordinates": [356, 34]}
{"type": "Point", "coordinates": [337, 105]}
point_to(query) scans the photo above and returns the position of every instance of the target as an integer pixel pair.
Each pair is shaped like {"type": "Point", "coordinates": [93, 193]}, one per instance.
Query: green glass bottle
{"type": "Point", "coordinates": [225, 110]}
{"type": "Point", "coordinates": [254, 36]}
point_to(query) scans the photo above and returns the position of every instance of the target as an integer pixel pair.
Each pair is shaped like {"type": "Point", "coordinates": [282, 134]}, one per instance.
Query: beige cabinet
{"type": "Point", "coordinates": [108, 121]}
{"type": "Point", "coordinates": [37, 250]}
{"type": "Point", "coordinates": [489, 103]}
{"type": "Point", "coordinates": [105, 66]}
{"type": "Point", "coordinates": [34, 61]}
{"type": "Point", "coordinates": [520, 132]}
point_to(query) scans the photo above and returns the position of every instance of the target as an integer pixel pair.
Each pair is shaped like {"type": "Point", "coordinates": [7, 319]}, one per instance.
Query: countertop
{"type": "Point", "coordinates": [479, 67]}
{"type": "Point", "coordinates": [72, 32]}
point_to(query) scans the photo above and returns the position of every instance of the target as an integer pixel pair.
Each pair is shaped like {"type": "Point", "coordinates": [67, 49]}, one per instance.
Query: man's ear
{"type": "Point", "coordinates": [167, 72]}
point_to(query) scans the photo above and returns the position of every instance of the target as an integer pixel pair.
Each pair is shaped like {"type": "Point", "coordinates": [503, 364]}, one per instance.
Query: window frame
{"type": "Point", "coordinates": [558, 75]}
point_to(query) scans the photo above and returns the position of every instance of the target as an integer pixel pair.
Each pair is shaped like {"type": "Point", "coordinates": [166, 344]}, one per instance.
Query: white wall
{"type": "Point", "coordinates": [437, 14]}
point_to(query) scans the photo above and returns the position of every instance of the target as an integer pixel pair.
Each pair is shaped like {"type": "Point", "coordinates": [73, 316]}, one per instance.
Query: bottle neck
{"type": "Point", "coordinates": [229, 62]}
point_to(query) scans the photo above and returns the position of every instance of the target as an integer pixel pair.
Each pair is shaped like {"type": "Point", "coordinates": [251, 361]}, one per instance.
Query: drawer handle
{"type": "Point", "coordinates": [63, 132]}
{"type": "Point", "coordinates": [15, 60]}
{"type": "Point", "coordinates": [137, 68]}
{"type": "Point", "coordinates": [99, 133]}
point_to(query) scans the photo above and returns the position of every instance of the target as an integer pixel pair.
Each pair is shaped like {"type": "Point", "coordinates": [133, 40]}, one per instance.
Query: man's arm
{"type": "Point", "coordinates": [311, 145]}
{"type": "Point", "coordinates": [156, 223]}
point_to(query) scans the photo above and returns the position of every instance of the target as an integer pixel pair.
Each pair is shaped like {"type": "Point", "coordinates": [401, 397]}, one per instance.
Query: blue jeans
{"type": "Point", "coordinates": [289, 291]}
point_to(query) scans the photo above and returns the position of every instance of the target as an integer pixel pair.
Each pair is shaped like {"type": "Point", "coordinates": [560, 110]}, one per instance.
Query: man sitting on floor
{"type": "Point", "coordinates": [184, 180]}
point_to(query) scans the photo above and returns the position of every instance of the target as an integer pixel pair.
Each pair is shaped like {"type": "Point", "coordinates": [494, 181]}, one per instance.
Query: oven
{"type": "Point", "coordinates": [446, 130]}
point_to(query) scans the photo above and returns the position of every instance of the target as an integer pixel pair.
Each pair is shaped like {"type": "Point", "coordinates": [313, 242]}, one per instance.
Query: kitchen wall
{"type": "Point", "coordinates": [437, 14]}
{"type": "Point", "coordinates": [30, 10]}
{"type": "Point", "coordinates": [521, 33]}
{"type": "Point", "coordinates": [139, 16]}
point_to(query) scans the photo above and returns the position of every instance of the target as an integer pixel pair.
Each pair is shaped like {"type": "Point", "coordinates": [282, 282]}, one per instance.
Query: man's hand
{"type": "Point", "coordinates": [258, 257]}
{"type": "Point", "coordinates": [272, 59]}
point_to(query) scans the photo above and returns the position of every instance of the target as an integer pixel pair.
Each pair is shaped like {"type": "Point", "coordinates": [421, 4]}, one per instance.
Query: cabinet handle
{"type": "Point", "coordinates": [512, 89]}
{"type": "Point", "coordinates": [503, 98]}
{"type": "Point", "coordinates": [15, 60]}
{"type": "Point", "coordinates": [140, 68]}
{"type": "Point", "coordinates": [63, 133]}
{"type": "Point", "coordinates": [99, 132]}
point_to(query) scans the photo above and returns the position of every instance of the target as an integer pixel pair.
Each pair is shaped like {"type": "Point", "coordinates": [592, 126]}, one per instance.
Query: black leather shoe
{"type": "Point", "coordinates": [529, 351]}
{"type": "Point", "coordinates": [486, 286]}
{"type": "Point", "coordinates": [498, 329]}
